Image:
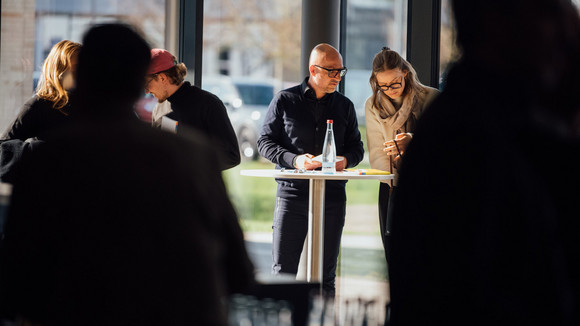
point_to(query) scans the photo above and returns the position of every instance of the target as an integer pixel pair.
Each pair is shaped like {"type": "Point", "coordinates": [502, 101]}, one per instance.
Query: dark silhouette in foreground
{"type": "Point", "coordinates": [96, 235]}
{"type": "Point", "coordinates": [486, 227]}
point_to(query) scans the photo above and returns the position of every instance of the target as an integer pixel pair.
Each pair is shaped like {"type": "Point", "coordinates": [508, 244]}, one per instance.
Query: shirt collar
{"type": "Point", "coordinates": [306, 90]}
{"type": "Point", "coordinates": [309, 93]}
{"type": "Point", "coordinates": [177, 95]}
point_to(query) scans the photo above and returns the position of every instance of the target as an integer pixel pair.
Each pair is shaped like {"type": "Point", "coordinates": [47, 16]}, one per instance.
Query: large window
{"type": "Point", "coordinates": [251, 49]}
{"type": "Point", "coordinates": [31, 27]}
{"type": "Point", "coordinates": [252, 38]}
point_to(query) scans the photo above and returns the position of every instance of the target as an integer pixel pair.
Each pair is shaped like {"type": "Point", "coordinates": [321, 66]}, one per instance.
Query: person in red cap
{"type": "Point", "coordinates": [182, 105]}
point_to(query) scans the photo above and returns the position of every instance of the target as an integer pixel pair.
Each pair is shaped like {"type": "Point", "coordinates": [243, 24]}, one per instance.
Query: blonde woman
{"type": "Point", "coordinates": [49, 108]}
{"type": "Point", "coordinates": [397, 101]}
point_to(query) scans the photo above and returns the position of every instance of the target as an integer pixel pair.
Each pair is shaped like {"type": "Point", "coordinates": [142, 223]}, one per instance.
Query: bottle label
{"type": "Point", "coordinates": [328, 167]}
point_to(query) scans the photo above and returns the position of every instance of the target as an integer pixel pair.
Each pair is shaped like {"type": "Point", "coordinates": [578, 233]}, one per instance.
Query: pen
{"type": "Point", "coordinates": [397, 146]}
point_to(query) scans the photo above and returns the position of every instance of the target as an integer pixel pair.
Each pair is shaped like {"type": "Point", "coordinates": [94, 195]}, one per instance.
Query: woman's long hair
{"type": "Point", "coordinates": [50, 86]}
{"type": "Point", "coordinates": [388, 59]}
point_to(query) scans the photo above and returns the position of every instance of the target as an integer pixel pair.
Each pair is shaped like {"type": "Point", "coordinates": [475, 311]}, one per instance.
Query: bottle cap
{"type": "Point", "coordinates": [329, 121]}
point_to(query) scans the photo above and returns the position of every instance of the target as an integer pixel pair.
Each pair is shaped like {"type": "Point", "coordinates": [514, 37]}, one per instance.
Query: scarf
{"type": "Point", "coordinates": [397, 118]}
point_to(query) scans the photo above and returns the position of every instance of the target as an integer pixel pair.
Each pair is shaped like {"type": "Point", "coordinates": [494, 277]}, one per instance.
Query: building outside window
{"type": "Point", "coordinates": [370, 25]}
{"type": "Point", "coordinates": [31, 27]}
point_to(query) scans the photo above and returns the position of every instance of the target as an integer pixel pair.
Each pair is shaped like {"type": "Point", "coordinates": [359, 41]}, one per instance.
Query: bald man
{"type": "Point", "coordinates": [292, 134]}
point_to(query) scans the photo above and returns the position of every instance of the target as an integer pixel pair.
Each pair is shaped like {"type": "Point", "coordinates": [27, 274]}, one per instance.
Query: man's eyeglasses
{"type": "Point", "coordinates": [149, 79]}
{"type": "Point", "coordinates": [396, 85]}
{"type": "Point", "coordinates": [333, 73]}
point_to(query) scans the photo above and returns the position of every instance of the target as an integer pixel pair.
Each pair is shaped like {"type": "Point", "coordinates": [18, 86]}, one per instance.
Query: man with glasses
{"type": "Point", "coordinates": [182, 104]}
{"type": "Point", "coordinates": [292, 135]}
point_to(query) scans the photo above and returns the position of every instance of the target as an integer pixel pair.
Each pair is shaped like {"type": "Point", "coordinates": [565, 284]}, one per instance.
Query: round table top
{"type": "Point", "coordinates": [298, 174]}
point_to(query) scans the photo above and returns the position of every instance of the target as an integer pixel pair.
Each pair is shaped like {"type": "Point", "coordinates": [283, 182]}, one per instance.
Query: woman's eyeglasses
{"type": "Point", "coordinates": [396, 85]}
{"type": "Point", "coordinates": [333, 73]}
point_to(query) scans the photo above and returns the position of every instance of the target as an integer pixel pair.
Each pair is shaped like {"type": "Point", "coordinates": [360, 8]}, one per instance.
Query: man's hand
{"type": "Point", "coordinates": [402, 141]}
{"type": "Point", "coordinates": [341, 165]}
{"type": "Point", "coordinates": [305, 161]}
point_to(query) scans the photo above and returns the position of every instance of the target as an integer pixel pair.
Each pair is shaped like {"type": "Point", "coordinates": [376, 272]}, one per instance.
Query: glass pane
{"type": "Point", "coordinates": [31, 27]}
{"type": "Point", "coordinates": [370, 25]}
{"type": "Point", "coordinates": [448, 51]}
{"type": "Point", "coordinates": [251, 50]}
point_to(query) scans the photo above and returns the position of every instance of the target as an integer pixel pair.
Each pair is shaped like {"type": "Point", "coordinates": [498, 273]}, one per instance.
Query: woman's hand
{"type": "Point", "coordinates": [398, 145]}
{"type": "Point", "coordinates": [397, 161]}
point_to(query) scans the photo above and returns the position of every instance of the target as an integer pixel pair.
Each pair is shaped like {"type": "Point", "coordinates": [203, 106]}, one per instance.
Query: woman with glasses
{"type": "Point", "coordinates": [49, 107]}
{"type": "Point", "coordinates": [397, 101]}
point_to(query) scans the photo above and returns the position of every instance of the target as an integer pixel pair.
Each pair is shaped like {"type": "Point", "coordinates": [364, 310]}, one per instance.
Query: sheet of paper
{"type": "Point", "coordinates": [168, 124]}
{"type": "Point", "coordinates": [159, 111]}
{"type": "Point", "coordinates": [319, 158]}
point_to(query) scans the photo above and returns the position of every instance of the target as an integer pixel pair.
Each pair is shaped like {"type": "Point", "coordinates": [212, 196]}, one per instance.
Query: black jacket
{"type": "Point", "coordinates": [291, 129]}
{"type": "Point", "coordinates": [196, 108]}
{"type": "Point", "coordinates": [11, 152]}
{"type": "Point", "coordinates": [37, 118]}
{"type": "Point", "coordinates": [96, 235]}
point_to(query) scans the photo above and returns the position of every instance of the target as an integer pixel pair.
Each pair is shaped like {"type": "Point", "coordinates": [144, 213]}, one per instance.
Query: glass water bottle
{"type": "Point", "coordinates": [329, 150]}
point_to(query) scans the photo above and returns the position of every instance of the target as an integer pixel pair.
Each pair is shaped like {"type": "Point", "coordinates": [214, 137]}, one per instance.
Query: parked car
{"type": "Point", "coordinates": [247, 102]}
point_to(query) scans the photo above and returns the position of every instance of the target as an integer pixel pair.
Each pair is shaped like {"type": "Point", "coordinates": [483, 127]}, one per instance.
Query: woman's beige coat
{"type": "Point", "coordinates": [382, 127]}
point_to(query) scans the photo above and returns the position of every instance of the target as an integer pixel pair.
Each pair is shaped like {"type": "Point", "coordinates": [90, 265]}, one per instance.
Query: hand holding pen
{"type": "Point", "coordinates": [398, 145]}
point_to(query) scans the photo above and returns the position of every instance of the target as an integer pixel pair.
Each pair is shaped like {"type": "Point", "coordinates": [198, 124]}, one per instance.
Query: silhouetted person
{"type": "Point", "coordinates": [487, 209]}
{"type": "Point", "coordinates": [96, 235]}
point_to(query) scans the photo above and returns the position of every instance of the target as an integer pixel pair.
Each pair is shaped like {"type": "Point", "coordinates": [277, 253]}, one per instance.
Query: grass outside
{"type": "Point", "coordinates": [363, 263]}
{"type": "Point", "coordinates": [254, 197]}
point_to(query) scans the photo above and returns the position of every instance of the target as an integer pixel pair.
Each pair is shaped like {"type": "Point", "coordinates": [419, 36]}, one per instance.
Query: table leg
{"type": "Point", "coordinates": [315, 230]}
{"type": "Point", "coordinates": [301, 274]}
{"type": "Point", "coordinates": [311, 259]}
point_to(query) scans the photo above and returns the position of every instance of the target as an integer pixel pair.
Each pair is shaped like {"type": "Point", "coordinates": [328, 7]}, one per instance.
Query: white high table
{"type": "Point", "coordinates": [311, 271]}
